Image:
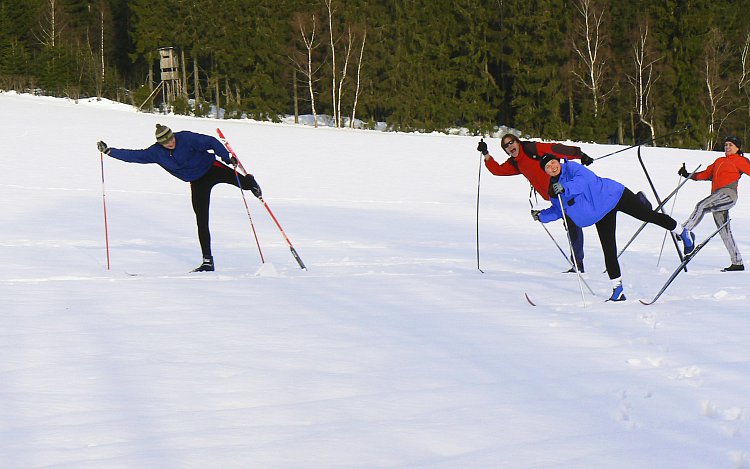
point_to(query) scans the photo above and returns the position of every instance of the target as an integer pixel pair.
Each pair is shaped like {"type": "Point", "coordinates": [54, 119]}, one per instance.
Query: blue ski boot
{"type": "Point", "coordinates": [688, 240]}
{"type": "Point", "coordinates": [617, 294]}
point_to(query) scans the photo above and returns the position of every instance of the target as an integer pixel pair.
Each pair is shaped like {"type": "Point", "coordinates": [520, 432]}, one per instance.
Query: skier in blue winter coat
{"type": "Point", "coordinates": [191, 157]}
{"type": "Point", "coordinates": [592, 200]}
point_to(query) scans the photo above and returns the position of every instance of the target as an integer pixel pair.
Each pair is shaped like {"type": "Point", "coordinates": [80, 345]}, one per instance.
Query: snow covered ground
{"type": "Point", "coordinates": [392, 350]}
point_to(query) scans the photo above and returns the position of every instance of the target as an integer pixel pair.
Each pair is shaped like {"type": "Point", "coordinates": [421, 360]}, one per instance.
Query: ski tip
{"type": "Point", "coordinates": [646, 302]}
{"type": "Point", "coordinates": [529, 299]}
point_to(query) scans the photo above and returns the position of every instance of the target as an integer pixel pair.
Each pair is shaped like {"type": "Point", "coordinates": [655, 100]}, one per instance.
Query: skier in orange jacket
{"type": "Point", "coordinates": [724, 174]}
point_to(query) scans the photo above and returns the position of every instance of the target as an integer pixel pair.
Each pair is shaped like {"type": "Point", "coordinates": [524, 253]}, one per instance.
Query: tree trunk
{"type": "Point", "coordinates": [359, 75]}
{"type": "Point", "coordinates": [196, 81]}
{"type": "Point", "coordinates": [184, 74]}
{"type": "Point", "coordinates": [571, 108]}
{"type": "Point", "coordinates": [101, 52]}
{"type": "Point", "coordinates": [333, 63]}
{"type": "Point", "coordinates": [218, 99]}
{"type": "Point", "coordinates": [296, 97]}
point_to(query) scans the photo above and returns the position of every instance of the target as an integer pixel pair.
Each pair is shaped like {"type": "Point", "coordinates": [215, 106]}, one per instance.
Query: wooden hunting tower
{"type": "Point", "coordinates": [170, 74]}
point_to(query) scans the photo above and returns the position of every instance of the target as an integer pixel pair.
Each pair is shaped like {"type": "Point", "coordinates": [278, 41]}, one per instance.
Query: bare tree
{"type": "Point", "coordinates": [51, 26]}
{"type": "Point", "coordinates": [644, 79]}
{"type": "Point", "coordinates": [588, 45]}
{"type": "Point", "coordinates": [337, 87]}
{"type": "Point", "coordinates": [719, 102]}
{"type": "Point", "coordinates": [359, 78]}
{"type": "Point", "coordinates": [744, 78]}
{"type": "Point", "coordinates": [336, 110]}
{"type": "Point", "coordinates": [101, 51]}
{"type": "Point", "coordinates": [307, 30]}
{"type": "Point", "coordinates": [344, 68]}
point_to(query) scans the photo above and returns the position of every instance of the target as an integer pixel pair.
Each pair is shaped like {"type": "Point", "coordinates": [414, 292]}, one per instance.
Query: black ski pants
{"type": "Point", "coordinates": [629, 203]}
{"type": "Point", "coordinates": [201, 197]}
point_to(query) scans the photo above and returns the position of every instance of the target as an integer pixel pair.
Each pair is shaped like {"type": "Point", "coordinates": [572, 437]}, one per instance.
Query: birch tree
{"type": "Point", "coordinates": [588, 45]}
{"type": "Point", "coordinates": [359, 77]}
{"type": "Point", "coordinates": [719, 102]}
{"type": "Point", "coordinates": [307, 29]}
{"type": "Point", "coordinates": [336, 110]}
{"type": "Point", "coordinates": [50, 27]}
{"type": "Point", "coordinates": [644, 78]}
{"type": "Point", "coordinates": [344, 68]}
{"type": "Point", "coordinates": [744, 78]}
{"type": "Point", "coordinates": [101, 51]}
{"type": "Point", "coordinates": [338, 76]}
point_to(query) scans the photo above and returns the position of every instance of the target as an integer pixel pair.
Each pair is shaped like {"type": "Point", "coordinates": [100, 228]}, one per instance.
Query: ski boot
{"type": "Point", "coordinates": [617, 292]}
{"type": "Point", "coordinates": [206, 266]}
{"type": "Point", "coordinates": [688, 240]}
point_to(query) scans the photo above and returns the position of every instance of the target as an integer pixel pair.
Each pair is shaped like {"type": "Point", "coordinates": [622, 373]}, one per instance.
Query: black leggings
{"type": "Point", "coordinates": [629, 203]}
{"type": "Point", "coordinates": [201, 197]}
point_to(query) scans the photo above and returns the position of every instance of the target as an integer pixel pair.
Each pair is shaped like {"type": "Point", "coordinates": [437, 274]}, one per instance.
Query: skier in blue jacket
{"type": "Point", "coordinates": [191, 157]}
{"type": "Point", "coordinates": [592, 200]}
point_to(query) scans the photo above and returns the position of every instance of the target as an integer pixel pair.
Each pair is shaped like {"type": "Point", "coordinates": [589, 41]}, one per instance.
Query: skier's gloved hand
{"type": "Point", "coordinates": [683, 171]}
{"type": "Point", "coordinates": [535, 215]}
{"type": "Point", "coordinates": [482, 147]}
{"type": "Point", "coordinates": [102, 147]}
{"type": "Point", "coordinates": [254, 187]}
{"type": "Point", "coordinates": [586, 159]}
{"type": "Point", "coordinates": [557, 188]}
{"type": "Point", "coordinates": [233, 160]}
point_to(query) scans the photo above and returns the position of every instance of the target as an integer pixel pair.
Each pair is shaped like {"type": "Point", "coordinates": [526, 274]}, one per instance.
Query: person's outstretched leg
{"type": "Point", "coordinates": [633, 205]}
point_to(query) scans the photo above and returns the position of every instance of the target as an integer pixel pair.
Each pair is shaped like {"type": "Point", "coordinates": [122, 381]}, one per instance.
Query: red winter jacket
{"type": "Point", "coordinates": [725, 171]}
{"type": "Point", "coordinates": [527, 163]}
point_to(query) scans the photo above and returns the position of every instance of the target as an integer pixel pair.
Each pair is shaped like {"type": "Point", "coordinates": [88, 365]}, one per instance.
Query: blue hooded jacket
{"type": "Point", "coordinates": [189, 160]}
{"type": "Point", "coordinates": [587, 197]}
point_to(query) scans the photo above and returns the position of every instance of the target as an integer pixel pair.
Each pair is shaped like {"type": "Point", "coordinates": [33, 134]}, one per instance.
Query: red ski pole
{"type": "Point", "coordinates": [291, 248]}
{"type": "Point", "coordinates": [244, 200]}
{"type": "Point", "coordinates": [286, 238]}
{"type": "Point", "coordinates": [104, 203]}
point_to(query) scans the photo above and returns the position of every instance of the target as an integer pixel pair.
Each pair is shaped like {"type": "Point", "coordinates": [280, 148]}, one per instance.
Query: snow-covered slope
{"type": "Point", "coordinates": [392, 350]}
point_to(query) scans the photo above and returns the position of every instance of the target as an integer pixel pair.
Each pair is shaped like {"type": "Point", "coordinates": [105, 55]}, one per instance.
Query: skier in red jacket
{"type": "Point", "coordinates": [724, 174]}
{"type": "Point", "coordinates": [524, 159]}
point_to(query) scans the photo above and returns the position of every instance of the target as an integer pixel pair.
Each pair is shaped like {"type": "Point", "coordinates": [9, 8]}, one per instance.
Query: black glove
{"type": "Point", "coordinates": [535, 215]}
{"type": "Point", "coordinates": [102, 147]}
{"type": "Point", "coordinates": [586, 159]}
{"type": "Point", "coordinates": [683, 171]}
{"type": "Point", "coordinates": [254, 187]}
{"type": "Point", "coordinates": [233, 160]}
{"type": "Point", "coordinates": [482, 147]}
{"type": "Point", "coordinates": [557, 189]}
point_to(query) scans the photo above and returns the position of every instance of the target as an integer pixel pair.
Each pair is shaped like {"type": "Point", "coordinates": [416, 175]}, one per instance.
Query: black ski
{"type": "Point", "coordinates": [685, 261]}
{"type": "Point", "coordinates": [661, 204]}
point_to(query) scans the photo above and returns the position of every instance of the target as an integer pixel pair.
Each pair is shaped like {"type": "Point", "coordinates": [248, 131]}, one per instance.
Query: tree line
{"type": "Point", "coordinates": [591, 70]}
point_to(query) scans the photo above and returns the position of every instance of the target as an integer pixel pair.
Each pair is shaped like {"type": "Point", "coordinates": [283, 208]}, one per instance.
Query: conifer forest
{"type": "Point", "coordinates": [585, 70]}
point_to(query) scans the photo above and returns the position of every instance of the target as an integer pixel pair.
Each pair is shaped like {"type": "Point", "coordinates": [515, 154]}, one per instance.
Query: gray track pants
{"type": "Point", "coordinates": [718, 203]}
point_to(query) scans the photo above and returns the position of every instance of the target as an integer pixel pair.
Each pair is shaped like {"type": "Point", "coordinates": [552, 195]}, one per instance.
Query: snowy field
{"type": "Point", "coordinates": [391, 350]}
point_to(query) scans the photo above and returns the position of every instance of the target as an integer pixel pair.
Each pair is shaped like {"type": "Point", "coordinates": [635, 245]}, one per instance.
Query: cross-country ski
{"type": "Point", "coordinates": [682, 264]}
